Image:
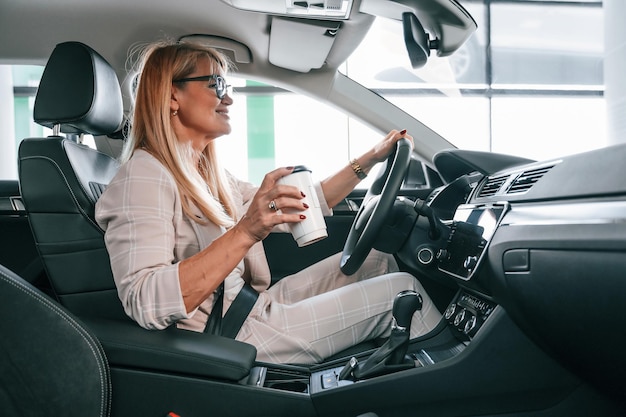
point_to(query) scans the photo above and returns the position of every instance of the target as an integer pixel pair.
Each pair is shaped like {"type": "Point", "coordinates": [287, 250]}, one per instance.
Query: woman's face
{"type": "Point", "coordinates": [201, 115]}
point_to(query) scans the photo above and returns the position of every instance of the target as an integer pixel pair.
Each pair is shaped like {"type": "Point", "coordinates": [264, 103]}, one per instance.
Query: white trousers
{"type": "Point", "coordinates": [317, 312]}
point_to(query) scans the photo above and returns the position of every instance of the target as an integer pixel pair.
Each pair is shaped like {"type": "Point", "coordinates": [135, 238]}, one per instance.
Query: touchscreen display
{"type": "Point", "coordinates": [470, 233]}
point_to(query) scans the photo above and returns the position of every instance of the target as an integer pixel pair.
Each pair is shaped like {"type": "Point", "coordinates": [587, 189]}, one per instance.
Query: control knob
{"type": "Point", "coordinates": [470, 262]}
{"type": "Point", "coordinates": [470, 324]}
{"type": "Point", "coordinates": [450, 311]}
{"type": "Point", "coordinates": [458, 319]}
{"type": "Point", "coordinates": [443, 254]}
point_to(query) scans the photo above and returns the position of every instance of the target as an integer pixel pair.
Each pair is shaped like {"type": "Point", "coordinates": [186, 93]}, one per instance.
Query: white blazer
{"type": "Point", "coordinates": [147, 235]}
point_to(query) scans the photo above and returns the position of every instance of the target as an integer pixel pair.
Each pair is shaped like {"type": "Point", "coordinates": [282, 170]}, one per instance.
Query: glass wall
{"type": "Point", "coordinates": [528, 82]}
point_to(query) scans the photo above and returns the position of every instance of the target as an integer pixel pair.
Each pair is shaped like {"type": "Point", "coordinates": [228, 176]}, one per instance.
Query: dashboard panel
{"type": "Point", "coordinates": [546, 241]}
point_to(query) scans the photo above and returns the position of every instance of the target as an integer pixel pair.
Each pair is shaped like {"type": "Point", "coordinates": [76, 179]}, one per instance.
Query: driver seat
{"type": "Point", "coordinates": [61, 179]}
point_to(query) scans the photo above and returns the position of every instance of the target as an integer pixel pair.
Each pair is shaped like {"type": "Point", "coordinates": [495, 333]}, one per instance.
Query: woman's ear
{"type": "Point", "coordinates": [174, 105]}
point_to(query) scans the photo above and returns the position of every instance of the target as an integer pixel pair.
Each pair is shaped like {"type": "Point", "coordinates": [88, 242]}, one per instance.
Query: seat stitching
{"type": "Point", "coordinates": [93, 345]}
{"type": "Point", "coordinates": [67, 186]}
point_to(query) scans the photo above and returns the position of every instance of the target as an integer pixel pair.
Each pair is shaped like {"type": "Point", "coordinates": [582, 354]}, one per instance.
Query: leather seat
{"type": "Point", "coordinates": [61, 179]}
{"type": "Point", "coordinates": [51, 364]}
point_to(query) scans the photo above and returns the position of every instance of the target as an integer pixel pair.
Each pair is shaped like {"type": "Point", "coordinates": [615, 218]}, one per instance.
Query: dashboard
{"type": "Point", "coordinates": [546, 241]}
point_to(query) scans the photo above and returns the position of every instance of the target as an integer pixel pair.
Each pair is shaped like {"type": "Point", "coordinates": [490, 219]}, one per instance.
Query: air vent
{"type": "Point", "coordinates": [491, 186]}
{"type": "Point", "coordinates": [527, 179]}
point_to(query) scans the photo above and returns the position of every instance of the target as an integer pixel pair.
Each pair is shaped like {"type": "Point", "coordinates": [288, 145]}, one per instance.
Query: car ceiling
{"type": "Point", "coordinates": [112, 27]}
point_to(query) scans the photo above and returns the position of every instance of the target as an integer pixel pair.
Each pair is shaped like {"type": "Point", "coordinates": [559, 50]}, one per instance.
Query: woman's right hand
{"type": "Point", "coordinates": [266, 209]}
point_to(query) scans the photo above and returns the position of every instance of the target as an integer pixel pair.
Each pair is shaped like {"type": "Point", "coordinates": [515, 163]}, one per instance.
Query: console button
{"type": "Point", "coordinates": [471, 323]}
{"type": "Point", "coordinates": [426, 256]}
{"type": "Point", "coordinates": [459, 317]}
{"type": "Point", "coordinates": [449, 311]}
{"type": "Point", "coordinates": [470, 262]}
{"type": "Point", "coordinates": [329, 380]}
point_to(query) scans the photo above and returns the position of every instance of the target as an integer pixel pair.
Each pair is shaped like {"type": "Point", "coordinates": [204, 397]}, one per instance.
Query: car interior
{"type": "Point", "coordinates": [523, 258]}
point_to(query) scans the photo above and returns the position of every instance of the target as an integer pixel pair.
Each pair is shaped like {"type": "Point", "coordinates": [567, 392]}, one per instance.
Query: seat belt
{"type": "Point", "coordinates": [214, 322]}
{"type": "Point", "coordinates": [229, 325]}
{"type": "Point", "coordinates": [238, 311]}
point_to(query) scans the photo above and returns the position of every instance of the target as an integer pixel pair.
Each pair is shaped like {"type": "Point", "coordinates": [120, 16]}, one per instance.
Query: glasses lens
{"type": "Point", "coordinates": [220, 86]}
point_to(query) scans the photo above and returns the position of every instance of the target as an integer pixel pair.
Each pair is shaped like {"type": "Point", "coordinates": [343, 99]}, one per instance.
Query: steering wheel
{"type": "Point", "coordinates": [376, 205]}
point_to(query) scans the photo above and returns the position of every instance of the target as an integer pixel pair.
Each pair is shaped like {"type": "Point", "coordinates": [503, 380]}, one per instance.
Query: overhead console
{"type": "Point", "coordinates": [330, 9]}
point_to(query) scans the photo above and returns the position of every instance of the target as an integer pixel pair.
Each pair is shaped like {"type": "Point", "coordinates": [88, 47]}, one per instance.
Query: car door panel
{"type": "Point", "coordinates": [285, 257]}
{"type": "Point", "coordinates": [17, 247]}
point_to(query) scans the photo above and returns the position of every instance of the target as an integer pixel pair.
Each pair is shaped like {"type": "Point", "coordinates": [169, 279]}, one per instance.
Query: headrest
{"type": "Point", "coordinates": [79, 90]}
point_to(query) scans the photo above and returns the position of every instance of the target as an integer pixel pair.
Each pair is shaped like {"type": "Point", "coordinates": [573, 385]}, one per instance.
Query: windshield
{"type": "Point", "coordinates": [539, 96]}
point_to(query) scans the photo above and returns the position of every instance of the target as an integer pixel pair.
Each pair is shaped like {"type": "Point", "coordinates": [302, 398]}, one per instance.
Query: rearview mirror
{"type": "Point", "coordinates": [417, 42]}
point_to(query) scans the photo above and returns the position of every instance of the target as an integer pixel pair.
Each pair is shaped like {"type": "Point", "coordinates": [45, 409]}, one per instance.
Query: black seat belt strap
{"type": "Point", "coordinates": [229, 325]}
{"type": "Point", "coordinates": [214, 322]}
{"type": "Point", "coordinates": [238, 311]}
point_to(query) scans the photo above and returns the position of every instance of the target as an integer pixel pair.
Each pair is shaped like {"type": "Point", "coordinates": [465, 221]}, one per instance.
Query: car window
{"type": "Point", "coordinates": [264, 126]}
{"type": "Point", "coordinates": [286, 129]}
{"type": "Point", "coordinates": [18, 87]}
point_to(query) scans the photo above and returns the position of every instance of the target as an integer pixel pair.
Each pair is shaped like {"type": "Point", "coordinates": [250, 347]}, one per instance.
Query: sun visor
{"type": "Point", "coordinates": [301, 45]}
{"type": "Point", "coordinates": [236, 51]}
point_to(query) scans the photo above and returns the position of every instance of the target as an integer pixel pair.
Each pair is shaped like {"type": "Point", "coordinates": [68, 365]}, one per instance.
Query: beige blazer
{"type": "Point", "coordinates": [147, 235]}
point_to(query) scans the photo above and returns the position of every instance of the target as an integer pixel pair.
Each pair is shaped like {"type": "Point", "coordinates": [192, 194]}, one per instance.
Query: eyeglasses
{"type": "Point", "coordinates": [220, 86]}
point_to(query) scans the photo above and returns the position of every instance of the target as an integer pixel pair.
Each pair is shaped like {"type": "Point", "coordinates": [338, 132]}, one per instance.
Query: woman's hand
{"type": "Point", "coordinates": [383, 149]}
{"type": "Point", "coordinates": [338, 186]}
{"type": "Point", "coordinates": [266, 209]}
{"type": "Point", "coordinates": [202, 273]}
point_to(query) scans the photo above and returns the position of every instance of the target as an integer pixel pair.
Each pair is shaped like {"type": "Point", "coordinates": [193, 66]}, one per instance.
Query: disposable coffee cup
{"type": "Point", "coordinates": [313, 228]}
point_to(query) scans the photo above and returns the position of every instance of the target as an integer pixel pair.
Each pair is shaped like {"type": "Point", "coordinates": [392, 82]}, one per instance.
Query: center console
{"type": "Point", "coordinates": [461, 322]}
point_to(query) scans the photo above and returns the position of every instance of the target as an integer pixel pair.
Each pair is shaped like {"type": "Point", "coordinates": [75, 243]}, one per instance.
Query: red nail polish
{"type": "Point", "coordinates": [289, 168]}
{"type": "Point", "coordinates": [302, 194]}
{"type": "Point", "coordinates": [402, 132]}
{"type": "Point", "coordinates": [302, 216]}
{"type": "Point", "coordinates": [305, 205]}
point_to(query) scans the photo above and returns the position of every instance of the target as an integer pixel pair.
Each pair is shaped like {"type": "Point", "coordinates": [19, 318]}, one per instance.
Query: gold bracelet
{"type": "Point", "coordinates": [356, 167]}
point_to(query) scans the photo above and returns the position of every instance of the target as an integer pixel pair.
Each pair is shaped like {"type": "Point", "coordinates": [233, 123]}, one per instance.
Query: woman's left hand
{"type": "Point", "coordinates": [338, 186]}
{"type": "Point", "coordinates": [383, 149]}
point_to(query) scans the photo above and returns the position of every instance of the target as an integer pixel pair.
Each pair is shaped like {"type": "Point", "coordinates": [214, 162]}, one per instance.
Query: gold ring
{"type": "Point", "coordinates": [273, 205]}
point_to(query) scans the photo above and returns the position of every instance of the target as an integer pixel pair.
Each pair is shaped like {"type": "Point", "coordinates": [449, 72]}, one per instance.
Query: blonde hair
{"type": "Point", "coordinates": [203, 185]}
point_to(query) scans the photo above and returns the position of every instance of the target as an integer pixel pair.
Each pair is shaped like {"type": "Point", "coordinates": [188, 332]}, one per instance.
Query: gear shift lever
{"type": "Point", "coordinates": [405, 305]}
{"type": "Point", "coordinates": [391, 356]}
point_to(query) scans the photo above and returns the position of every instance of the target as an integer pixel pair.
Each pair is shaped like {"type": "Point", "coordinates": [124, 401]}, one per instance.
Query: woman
{"type": "Point", "coordinates": [177, 226]}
